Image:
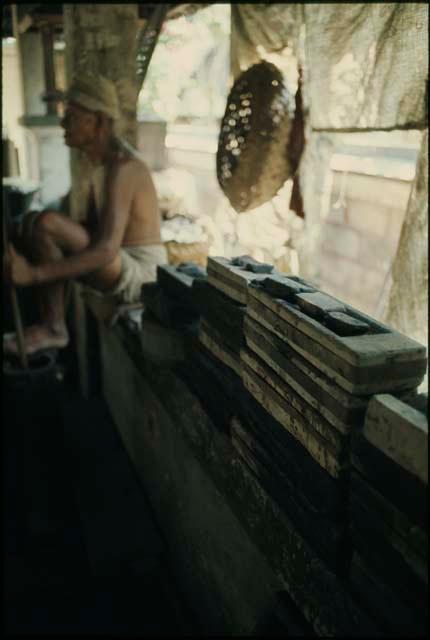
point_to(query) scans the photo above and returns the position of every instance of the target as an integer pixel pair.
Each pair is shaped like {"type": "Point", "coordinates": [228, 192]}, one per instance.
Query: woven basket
{"type": "Point", "coordinates": [252, 162]}
{"type": "Point", "coordinates": [179, 252]}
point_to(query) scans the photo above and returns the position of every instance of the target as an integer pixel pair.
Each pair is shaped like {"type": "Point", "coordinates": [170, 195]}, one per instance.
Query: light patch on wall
{"type": "Point", "coordinates": [188, 142]}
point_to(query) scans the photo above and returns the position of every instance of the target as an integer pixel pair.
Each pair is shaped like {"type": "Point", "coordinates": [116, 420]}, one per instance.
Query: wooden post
{"type": "Point", "coordinates": [48, 58]}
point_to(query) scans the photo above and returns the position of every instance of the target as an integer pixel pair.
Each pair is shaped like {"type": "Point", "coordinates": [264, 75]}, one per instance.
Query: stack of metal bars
{"type": "Point", "coordinates": [171, 299]}
{"type": "Point", "coordinates": [170, 317]}
{"type": "Point", "coordinates": [313, 364]}
{"type": "Point", "coordinates": [223, 304]}
{"type": "Point", "coordinates": [213, 367]}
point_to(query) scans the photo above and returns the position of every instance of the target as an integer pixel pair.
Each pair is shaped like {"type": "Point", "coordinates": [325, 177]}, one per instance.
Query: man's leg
{"type": "Point", "coordinates": [53, 236]}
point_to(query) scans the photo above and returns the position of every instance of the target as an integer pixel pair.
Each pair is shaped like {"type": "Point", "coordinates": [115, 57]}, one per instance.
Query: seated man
{"type": "Point", "coordinates": [117, 246]}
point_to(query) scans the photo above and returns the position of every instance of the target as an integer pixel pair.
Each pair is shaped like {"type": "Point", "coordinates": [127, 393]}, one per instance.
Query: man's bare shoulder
{"type": "Point", "coordinates": [133, 168]}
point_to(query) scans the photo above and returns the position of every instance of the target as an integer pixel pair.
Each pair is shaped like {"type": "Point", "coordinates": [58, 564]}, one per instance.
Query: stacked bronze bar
{"type": "Point", "coordinates": [171, 300]}
{"type": "Point", "coordinates": [312, 363]}
{"type": "Point", "coordinates": [389, 513]}
{"type": "Point", "coordinates": [213, 368]}
{"type": "Point", "coordinates": [222, 302]}
{"type": "Point", "coordinates": [170, 317]}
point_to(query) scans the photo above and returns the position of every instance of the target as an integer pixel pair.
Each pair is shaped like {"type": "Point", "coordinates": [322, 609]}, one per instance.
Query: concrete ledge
{"type": "Point", "coordinates": [400, 432]}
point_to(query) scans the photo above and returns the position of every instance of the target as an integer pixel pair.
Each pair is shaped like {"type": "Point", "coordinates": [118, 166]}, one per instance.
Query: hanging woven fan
{"type": "Point", "coordinates": [252, 162]}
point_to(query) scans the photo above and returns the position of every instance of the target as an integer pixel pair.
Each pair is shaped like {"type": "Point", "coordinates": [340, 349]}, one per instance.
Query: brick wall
{"type": "Point", "coordinates": [360, 237]}
{"type": "Point", "coordinates": [367, 208]}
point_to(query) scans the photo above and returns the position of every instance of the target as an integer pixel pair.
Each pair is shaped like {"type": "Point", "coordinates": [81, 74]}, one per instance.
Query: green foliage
{"type": "Point", "coordinates": [188, 74]}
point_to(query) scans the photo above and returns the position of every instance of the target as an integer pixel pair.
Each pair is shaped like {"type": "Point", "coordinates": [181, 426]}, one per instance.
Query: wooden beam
{"type": "Point", "coordinates": [48, 57]}
{"type": "Point", "coordinates": [39, 19]}
{"type": "Point", "coordinates": [25, 23]}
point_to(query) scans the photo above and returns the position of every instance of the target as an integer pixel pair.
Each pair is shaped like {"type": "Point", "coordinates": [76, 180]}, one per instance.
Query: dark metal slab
{"type": "Point", "coordinates": [320, 449]}
{"type": "Point", "coordinates": [384, 361]}
{"type": "Point", "coordinates": [178, 283]}
{"type": "Point", "coordinates": [169, 309]}
{"type": "Point", "coordinates": [389, 544]}
{"type": "Point", "coordinates": [339, 407]}
{"type": "Point", "coordinates": [389, 569]}
{"type": "Point", "coordinates": [225, 350]}
{"type": "Point", "coordinates": [326, 536]}
{"type": "Point", "coordinates": [309, 479]}
{"type": "Point", "coordinates": [284, 287]}
{"type": "Point", "coordinates": [396, 617]}
{"type": "Point", "coordinates": [215, 304]}
{"type": "Point", "coordinates": [388, 515]}
{"type": "Point", "coordinates": [404, 490]}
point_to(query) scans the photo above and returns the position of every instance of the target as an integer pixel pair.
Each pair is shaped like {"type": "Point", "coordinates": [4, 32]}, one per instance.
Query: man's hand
{"type": "Point", "coordinates": [17, 270]}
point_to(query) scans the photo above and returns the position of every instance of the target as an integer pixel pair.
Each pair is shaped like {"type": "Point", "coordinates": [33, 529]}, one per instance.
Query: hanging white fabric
{"type": "Point", "coordinates": [365, 65]}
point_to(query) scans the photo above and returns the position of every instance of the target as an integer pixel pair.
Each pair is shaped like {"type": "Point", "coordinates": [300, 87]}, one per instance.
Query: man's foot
{"type": "Point", "coordinates": [36, 338]}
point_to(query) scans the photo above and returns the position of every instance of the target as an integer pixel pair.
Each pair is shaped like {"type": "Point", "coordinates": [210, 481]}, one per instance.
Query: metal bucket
{"type": "Point", "coordinates": [43, 369]}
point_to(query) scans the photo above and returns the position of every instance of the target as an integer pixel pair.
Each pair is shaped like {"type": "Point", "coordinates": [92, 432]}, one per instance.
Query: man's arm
{"type": "Point", "coordinates": [105, 247]}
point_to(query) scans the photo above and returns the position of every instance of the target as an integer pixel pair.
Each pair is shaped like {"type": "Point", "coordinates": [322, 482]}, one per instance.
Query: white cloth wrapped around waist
{"type": "Point", "coordinates": [138, 266]}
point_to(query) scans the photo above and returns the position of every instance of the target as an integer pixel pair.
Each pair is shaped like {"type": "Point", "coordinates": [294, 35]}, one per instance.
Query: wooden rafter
{"type": "Point", "coordinates": [33, 16]}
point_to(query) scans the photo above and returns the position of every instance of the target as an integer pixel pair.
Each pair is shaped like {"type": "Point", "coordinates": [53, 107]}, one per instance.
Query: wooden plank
{"type": "Point", "coordinates": [389, 567]}
{"type": "Point", "coordinates": [169, 310]}
{"type": "Point", "coordinates": [317, 304]}
{"type": "Point", "coordinates": [341, 409]}
{"type": "Point", "coordinates": [213, 342]}
{"type": "Point", "coordinates": [345, 325]}
{"type": "Point", "coordinates": [384, 346]}
{"type": "Point", "coordinates": [165, 346]}
{"type": "Point", "coordinates": [381, 536]}
{"type": "Point", "coordinates": [233, 280]}
{"type": "Point", "coordinates": [334, 367]}
{"type": "Point", "coordinates": [220, 312]}
{"type": "Point", "coordinates": [289, 418]}
{"type": "Point", "coordinates": [231, 290]}
{"type": "Point", "coordinates": [382, 602]}
{"type": "Point", "coordinates": [25, 23]}
{"type": "Point", "coordinates": [213, 303]}
{"type": "Point", "coordinates": [80, 328]}
{"type": "Point", "coordinates": [225, 335]}
{"type": "Point", "coordinates": [262, 458]}
{"type": "Point", "coordinates": [404, 490]}
{"type": "Point", "coordinates": [359, 380]}
{"type": "Point", "coordinates": [326, 493]}
{"type": "Point", "coordinates": [213, 383]}
{"type": "Point", "coordinates": [280, 286]}
{"type": "Point", "coordinates": [414, 536]}
{"type": "Point", "coordinates": [250, 264]}
{"type": "Point", "coordinates": [316, 590]}
{"type": "Point", "coordinates": [228, 379]}
{"type": "Point", "coordinates": [338, 441]}
{"type": "Point", "coordinates": [179, 282]}
{"type": "Point", "coordinates": [325, 536]}
{"type": "Point", "coordinates": [235, 275]}
{"type": "Point", "coordinates": [225, 341]}
{"type": "Point", "coordinates": [400, 432]}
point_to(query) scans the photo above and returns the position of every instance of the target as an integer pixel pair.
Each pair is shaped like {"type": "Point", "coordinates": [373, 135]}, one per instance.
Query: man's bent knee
{"type": "Point", "coordinates": [55, 227]}
{"type": "Point", "coordinates": [106, 277]}
{"type": "Point", "coordinates": [46, 222]}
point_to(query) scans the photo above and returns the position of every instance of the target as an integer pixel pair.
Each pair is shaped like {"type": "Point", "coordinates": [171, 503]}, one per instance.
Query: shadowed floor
{"type": "Point", "coordinates": [82, 553]}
